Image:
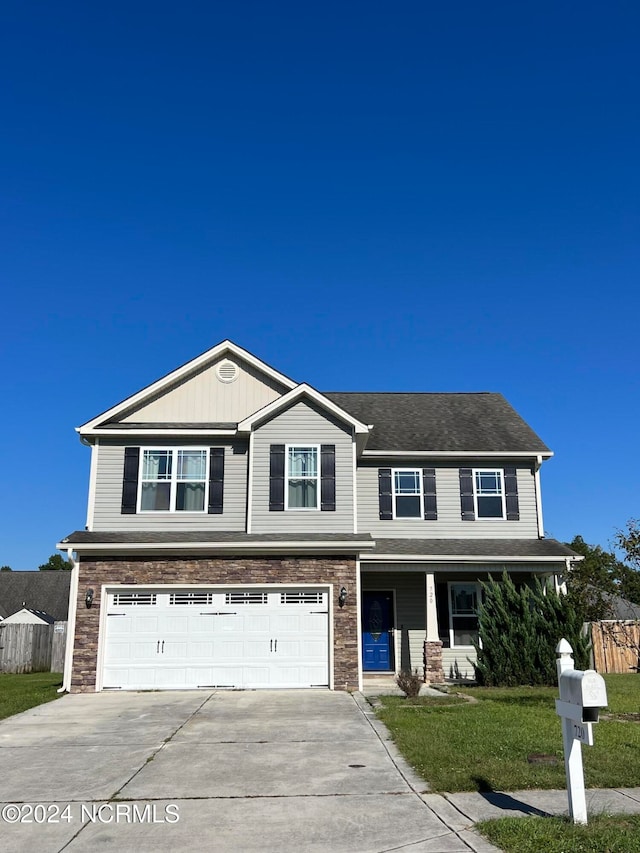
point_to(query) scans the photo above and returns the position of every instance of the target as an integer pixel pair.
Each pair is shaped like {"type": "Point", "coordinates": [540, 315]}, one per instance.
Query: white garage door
{"type": "Point", "coordinates": [179, 639]}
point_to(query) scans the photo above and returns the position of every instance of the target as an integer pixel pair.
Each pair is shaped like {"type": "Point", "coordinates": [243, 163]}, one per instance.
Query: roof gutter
{"type": "Point", "coordinates": [453, 454]}
{"type": "Point", "coordinates": [461, 558]}
{"type": "Point", "coordinates": [288, 547]}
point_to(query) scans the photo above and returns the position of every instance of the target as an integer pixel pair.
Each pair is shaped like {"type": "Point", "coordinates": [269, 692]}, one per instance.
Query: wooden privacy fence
{"type": "Point", "coordinates": [616, 646]}
{"type": "Point", "coordinates": [32, 648]}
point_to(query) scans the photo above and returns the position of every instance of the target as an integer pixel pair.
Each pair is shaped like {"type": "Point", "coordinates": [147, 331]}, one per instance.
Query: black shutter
{"type": "Point", "coordinates": [216, 480]}
{"type": "Point", "coordinates": [385, 496]}
{"type": "Point", "coordinates": [130, 480]}
{"type": "Point", "coordinates": [328, 477]}
{"type": "Point", "coordinates": [466, 494]}
{"type": "Point", "coordinates": [429, 494]}
{"type": "Point", "coordinates": [511, 493]}
{"type": "Point", "coordinates": [276, 478]}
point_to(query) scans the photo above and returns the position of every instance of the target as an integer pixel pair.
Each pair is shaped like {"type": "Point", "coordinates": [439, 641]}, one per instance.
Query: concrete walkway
{"type": "Point", "coordinates": [232, 771]}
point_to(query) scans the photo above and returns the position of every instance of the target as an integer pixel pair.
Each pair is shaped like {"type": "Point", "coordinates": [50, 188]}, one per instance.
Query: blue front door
{"type": "Point", "coordinates": [377, 622]}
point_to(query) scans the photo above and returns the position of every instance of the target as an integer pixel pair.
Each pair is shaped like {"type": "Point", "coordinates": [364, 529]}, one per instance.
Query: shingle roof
{"type": "Point", "coordinates": [79, 537]}
{"type": "Point", "coordinates": [48, 591]}
{"type": "Point", "coordinates": [507, 548]}
{"type": "Point", "coordinates": [440, 422]}
{"type": "Point", "coordinates": [622, 608]}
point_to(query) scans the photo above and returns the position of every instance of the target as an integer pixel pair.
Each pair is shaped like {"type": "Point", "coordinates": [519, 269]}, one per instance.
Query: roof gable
{"type": "Point", "coordinates": [302, 392]}
{"type": "Point", "coordinates": [196, 394]}
{"type": "Point", "coordinates": [29, 616]}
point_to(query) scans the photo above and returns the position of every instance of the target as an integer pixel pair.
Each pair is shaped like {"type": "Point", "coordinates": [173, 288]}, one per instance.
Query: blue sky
{"type": "Point", "coordinates": [417, 196]}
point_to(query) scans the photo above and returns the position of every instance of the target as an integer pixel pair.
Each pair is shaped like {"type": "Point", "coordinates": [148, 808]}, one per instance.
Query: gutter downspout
{"type": "Point", "coordinates": [536, 476]}
{"type": "Point", "coordinates": [71, 622]}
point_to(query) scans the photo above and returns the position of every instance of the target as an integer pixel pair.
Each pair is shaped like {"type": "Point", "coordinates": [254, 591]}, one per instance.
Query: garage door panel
{"type": "Point", "coordinates": [173, 624]}
{"type": "Point", "coordinates": [228, 649]}
{"type": "Point", "coordinates": [248, 638]}
{"type": "Point", "coordinates": [286, 623]}
{"type": "Point", "coordinates": [174, 649]}
{"type": "Point", "coordinates": [256, 623]}
{"type": "Point", "coordinates": [202, 651]}
{"type": "Point", "coordinates": [256, 649]}
{"type": "Point", "coordinates": [120, 625]}
{"type": "Point", "coordinates": [230, 624]}
{"type": "Point", "coordinates": [146, 624]}
{"type": "Point", "coordinates": [201, 624]}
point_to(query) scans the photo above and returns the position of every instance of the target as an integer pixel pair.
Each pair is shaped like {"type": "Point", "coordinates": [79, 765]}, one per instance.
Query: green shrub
{"type": "Point", "coordinates": [519, 630]}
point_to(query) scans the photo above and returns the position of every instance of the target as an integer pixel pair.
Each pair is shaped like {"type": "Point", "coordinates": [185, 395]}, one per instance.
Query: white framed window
{"type": "Point", "coordinates": [173, 480]}
{"type": "Point", "coordinates": [407, 493]}
{"type": "Point", "coordinates": [302, 476]}
{"type": "Point", "coordinates": [463, 613]}
{"type": "Point", "coordinates": [488, 493]}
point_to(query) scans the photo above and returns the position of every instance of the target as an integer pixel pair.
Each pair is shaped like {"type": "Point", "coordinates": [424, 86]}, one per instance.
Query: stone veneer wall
{"type": "Point", "coordinates": [433, 670]}
{"type": "Point", "coordinates": [340, 571]}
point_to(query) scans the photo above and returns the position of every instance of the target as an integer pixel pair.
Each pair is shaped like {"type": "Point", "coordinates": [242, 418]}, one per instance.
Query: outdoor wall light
{"type": "Point", "coordinates": [88, 599]}
{"type": "Point", "coordinates": [342, 597]}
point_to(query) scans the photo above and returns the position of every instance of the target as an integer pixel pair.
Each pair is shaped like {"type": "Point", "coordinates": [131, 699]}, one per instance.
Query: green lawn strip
{"type": "Point", "coordinates": [623, 692]}
{"type": "Point", "coordinates": [485, 745]}
{"type": "Point", "coordinates": [20, 692]}
{"type": "Point", "coordinates": [603, 834]}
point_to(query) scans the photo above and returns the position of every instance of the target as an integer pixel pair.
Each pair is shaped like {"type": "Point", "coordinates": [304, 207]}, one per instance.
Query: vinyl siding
{"type": "Point", "coordinates": [203, 398]}
{"type": "Point", "coordinates": [108, 492]}
{"type": "Point", "coordinates": [410, 612]}
{"type": "Point", "coordinates": [449, 524]}
{"type": "Point", "coordinates": [302, 423]}
{"type": "Point", "coordinates": [458, 663]}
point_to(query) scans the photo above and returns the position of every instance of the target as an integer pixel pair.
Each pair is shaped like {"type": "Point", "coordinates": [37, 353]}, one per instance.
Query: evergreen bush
{"type": "Point", "coordinates": [519, 629]}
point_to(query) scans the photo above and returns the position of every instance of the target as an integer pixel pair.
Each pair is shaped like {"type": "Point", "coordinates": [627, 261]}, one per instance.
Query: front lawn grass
{"type": "Point", "coordinates": [604, 834]}
{"type": "Point", "coordinates": [20, 692]}
{"type": "Point", "coordinates": [484, 745]}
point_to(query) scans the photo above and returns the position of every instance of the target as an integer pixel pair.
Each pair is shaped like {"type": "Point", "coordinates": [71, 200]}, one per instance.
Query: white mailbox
{"type": "Point", "coordinates": [582, 694]}
{"type": "Point", "coordinates": [585, 690]}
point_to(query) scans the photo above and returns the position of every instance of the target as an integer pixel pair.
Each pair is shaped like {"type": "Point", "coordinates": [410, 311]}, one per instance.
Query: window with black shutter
{"type": "Point", "coordinates": [216, 480]}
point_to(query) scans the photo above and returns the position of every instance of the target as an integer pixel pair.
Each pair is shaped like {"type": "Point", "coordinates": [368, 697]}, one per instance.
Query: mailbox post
{"type": "Point", "coordinates": [582, 694]}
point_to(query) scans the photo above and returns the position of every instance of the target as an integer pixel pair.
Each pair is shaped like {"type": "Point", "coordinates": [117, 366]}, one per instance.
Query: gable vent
{"type": "Point", "coordinates": [227, 371]}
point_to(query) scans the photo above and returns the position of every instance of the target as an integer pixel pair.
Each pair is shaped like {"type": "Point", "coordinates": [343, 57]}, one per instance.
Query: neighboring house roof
{"type": "Point", "coordinates": [29, 615]}
{"type": "Point", "coordinates": [525, 549]}
{"type": "Point", "coordinates": [622, 608]}
{"type": "Point", "coordinates": [481, 422]}
{"type": "Point", "coordinates": [47, 591]}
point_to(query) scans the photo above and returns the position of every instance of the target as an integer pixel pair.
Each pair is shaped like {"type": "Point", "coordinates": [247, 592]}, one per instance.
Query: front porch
{"type": "Point", "coordinates": [423, 618]}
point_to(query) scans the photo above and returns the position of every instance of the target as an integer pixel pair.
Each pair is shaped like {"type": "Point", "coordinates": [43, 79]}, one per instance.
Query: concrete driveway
{"type": "Point", "coordinates": [233, 771]}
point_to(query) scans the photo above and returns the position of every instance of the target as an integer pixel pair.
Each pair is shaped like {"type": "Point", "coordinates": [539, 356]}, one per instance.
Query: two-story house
{"type": "Point", "coordinates": [244, 530]}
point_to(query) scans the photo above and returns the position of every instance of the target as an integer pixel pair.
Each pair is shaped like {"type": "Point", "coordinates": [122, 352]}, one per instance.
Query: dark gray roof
{"type": "Point", "coordinates": [621, 608]}
{"type": "Point", "coordinates": [507, 548]}
{"type": "Point", "coordinates": [446, 422]}
{"type": "Point", "coordinates": [162, 536]}
{"type": "Point", "coordinates": [48, 591]}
